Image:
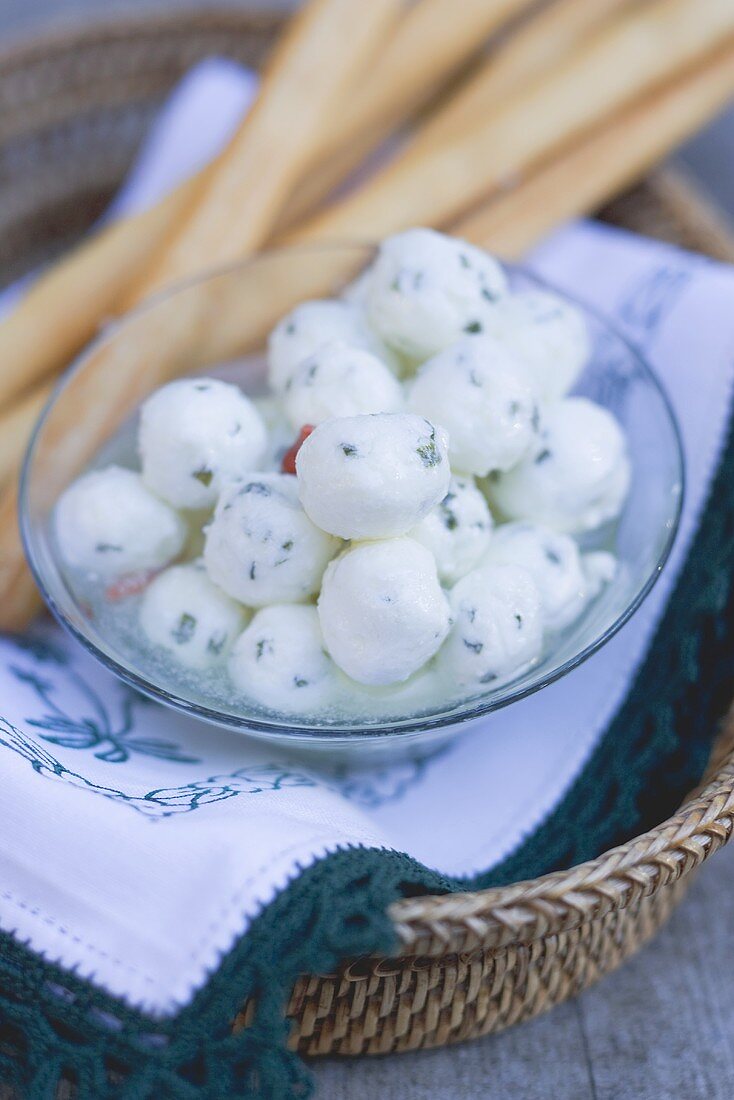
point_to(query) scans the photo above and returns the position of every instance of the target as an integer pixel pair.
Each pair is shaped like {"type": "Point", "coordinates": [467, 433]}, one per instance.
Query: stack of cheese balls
{"type": "Point", "coordinates": [423, 548]}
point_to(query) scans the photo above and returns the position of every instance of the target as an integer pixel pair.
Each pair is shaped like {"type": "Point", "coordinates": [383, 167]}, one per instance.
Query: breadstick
{"type": "Point", "coordinates": [582, 178]}
{"type": "Point", "coordinates": [638, 52]}
{"type": "Point", "coordinates": [21, 598]}
{"type": "Point", "coordinates": [429, 44]}
{"type": "Point", "coordinates": [326, 44]}
{"type": "Point", "coordinates": [534, 48]}
{"type": "Point", "coordinates": [16, 424]}
{"type": "Point", "coordinates": [63, 309]}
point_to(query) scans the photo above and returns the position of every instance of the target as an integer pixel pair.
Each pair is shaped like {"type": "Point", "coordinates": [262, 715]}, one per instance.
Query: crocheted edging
{"type": "Point", "coordinates": [54, 1025]}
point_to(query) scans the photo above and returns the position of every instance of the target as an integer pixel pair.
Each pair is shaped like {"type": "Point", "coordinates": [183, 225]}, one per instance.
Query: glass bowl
{"type": "Point", "coordinates": [218, 325]}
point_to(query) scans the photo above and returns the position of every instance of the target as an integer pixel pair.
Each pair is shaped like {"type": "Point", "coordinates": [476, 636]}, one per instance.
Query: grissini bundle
{"type": "Point", "coordinates": [637, 53]}
{"type": "Point", "coordinates": [64, 308]}
{"type": "Point", "coordinates": [535, 48]}
{"type": "Point", "coordinates": [605, 162]}
{"type": "Point", "coordinates": [225, 218]}
{"type": "Point", "coordinates": [429, 44]}
{"type": "Point", "coordinates": [245, 193]}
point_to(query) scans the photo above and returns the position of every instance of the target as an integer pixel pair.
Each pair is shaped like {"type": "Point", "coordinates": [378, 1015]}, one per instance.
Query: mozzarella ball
{"type": "Point", "coordinates": [578, 476]}
{"type": "Point", "coordinates": [280, 662]}
{"type": "Point", "coordinates": [194, 435]}
{"type": "Point", "coordinates": [365, 477]}
{"type": "Point", "coordinates": [310, 325]}
{"type": "Point", "coordinates": [261, 547]}
{"type": "Point", "coordinates": [484, 398]}
{"type": "Point", "coordinates": [108, 523]}
{"type": "Point", "coordinates": [426, 290]}
{"type": "Point", "coordinates": [340, 380]}
{"type": "Point", "coordinates": [554, 563]}
{"type": "Point", "coordinates": [548, 335]}
{"type": "Point", "coordinates": [457, 530]}
{"type": "Point", "coordinates": [185, 614]}
{"type": "Point", "coordinates": [383, 613]}
{"type": "Point", "coordinates": [498, 628]}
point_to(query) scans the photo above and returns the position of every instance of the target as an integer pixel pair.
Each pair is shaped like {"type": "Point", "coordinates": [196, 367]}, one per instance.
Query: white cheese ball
{"type": "Point", "coordinates": [311, 325]}
{"type": "Point", "coordinates": [108, 523]}
{"type": "Point", "coordinates": [261, 547]}
{"type": "Point", "coordinates": [185, 614]}
{"type": "Point", "coordinates": [340, 380]}
{"type": "Point", "coordinates": [426, 290]}
{"type": "Point", "coordinates": [194, 435]}
{"type": "Point", "coordinates": [552, 560]}
{"type": "Point", "coordinates": [280, 661]}
{"type": "Point", "coordinates": [498, 628]}
{"type": "Point", "coordinates": [548, 335]}
{"type": "Point", "coordinates": [479, 392]}
{"type": "Point", "coordinates": [457, 530]}
{"type": "Point", "coordinates": [578, 476]}
{"type": "Point", "coordinates": [382, 610]}
{"type": "Point", "coordinates": [366, 477]}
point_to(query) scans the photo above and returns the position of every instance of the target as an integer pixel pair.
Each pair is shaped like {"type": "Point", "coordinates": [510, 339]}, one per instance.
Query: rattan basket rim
{"type": "Point", "coordinates": [563, 900]}
{"type": "Point", "coordinates": [559, 902]}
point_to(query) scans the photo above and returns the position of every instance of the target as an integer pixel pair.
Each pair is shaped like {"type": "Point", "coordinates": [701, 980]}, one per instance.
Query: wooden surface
{"type": "Point", "coordinates": [662, 1027]}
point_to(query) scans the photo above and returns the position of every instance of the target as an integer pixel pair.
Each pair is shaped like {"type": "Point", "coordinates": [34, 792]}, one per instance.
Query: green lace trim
{"type": "Point", "coordinates": [54, 1025]}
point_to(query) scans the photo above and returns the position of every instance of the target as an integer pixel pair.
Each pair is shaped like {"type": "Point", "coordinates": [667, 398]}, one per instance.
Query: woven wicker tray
{"type": "Point", "coordinates": [72, 110]}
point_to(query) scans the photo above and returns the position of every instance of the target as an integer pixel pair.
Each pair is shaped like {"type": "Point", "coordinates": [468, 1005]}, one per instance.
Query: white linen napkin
{"type": "Point", "coordinates": [136, 845]}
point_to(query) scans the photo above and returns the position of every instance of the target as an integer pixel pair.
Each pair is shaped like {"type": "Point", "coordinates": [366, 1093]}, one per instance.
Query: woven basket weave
{"type": "Point", "coordinates": [72, 110]}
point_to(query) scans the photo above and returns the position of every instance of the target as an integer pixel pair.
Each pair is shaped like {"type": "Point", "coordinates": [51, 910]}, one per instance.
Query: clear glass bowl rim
{"type": "Point", "coordinates": [289, 730]}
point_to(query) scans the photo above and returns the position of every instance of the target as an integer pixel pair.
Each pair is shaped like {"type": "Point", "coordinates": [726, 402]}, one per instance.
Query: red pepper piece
{"type": "Point", "coordinates": [288, 465]}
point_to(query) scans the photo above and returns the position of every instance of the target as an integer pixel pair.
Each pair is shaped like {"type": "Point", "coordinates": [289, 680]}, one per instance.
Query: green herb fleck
{"type": "Point", "coordinates": [475, 647]}
{"type": "Point", "coordinates": [349, 449]}
{"type": "Point", "coordinates": [217, 643]}
{"type": "Point", "coordinates": [258, 488]}
{"type": "Point", "coordinates": [299, 682]}
{"type": "Point", "coordinates": [429, 453]}
{"type": "Point", "coordinates": [449, 517]}
{"type": "Point", "coordinates": [543, 456]}
{"type": "Point", "coordinates": [552, 556]}
{"type": "Point", "coordinates": [518, 620]}
{"type": "Point", "coordinates": [204, 475]}
{"type": "Point", "coordinates": [252, 571]}
{"type": "Point", "coordinates": [107, 548]}
{"type": "Point", "coordinates": [473, 327]}
{"type": "Point", "coordinates": [184, 631]}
